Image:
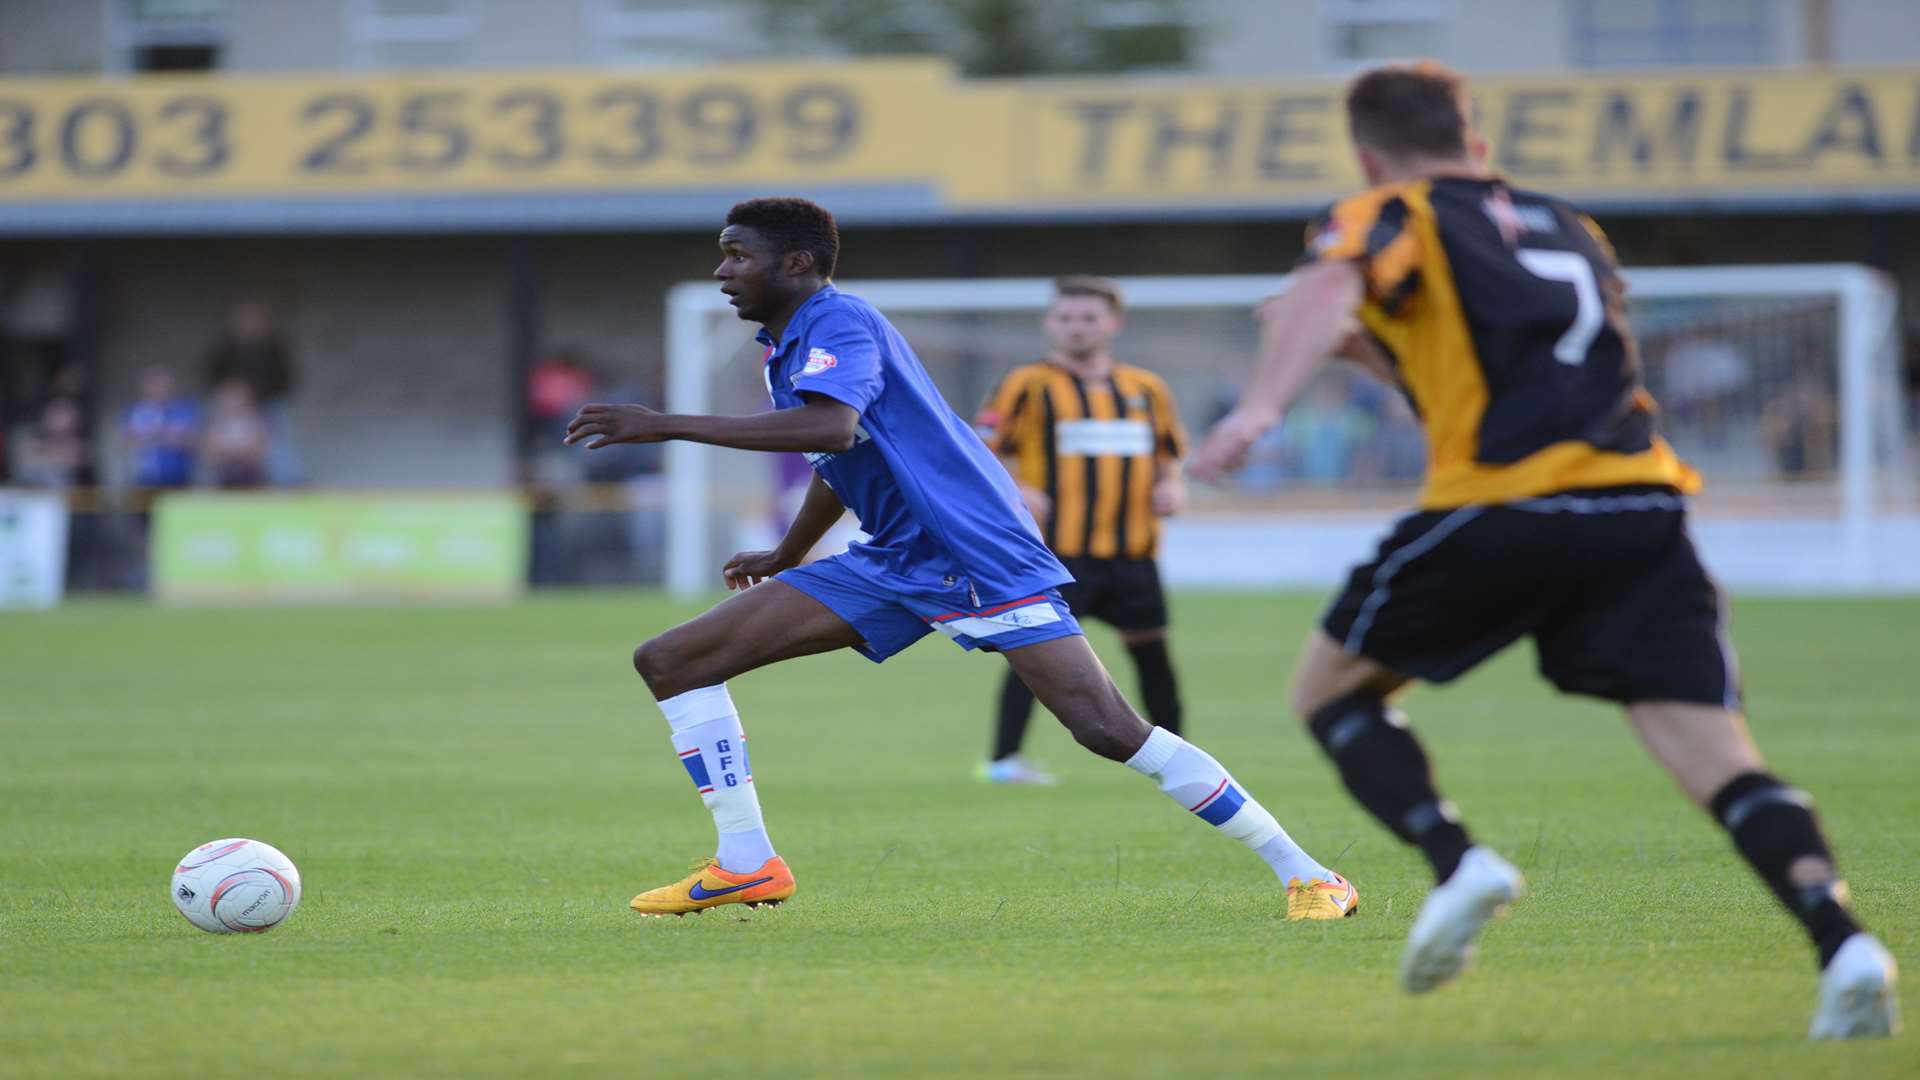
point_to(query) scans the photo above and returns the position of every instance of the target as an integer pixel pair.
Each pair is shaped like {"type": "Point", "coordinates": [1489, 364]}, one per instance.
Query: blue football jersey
{"type": "Point", "coordinates": [941, 511]}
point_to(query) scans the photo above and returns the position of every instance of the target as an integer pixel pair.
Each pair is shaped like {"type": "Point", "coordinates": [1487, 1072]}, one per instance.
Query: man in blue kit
{"type": "Point", "coordinates": [953, 549]}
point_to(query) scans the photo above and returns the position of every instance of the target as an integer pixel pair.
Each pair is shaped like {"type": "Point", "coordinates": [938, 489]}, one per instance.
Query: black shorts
{"type": "Point", "coordinates": [1605, 581]}
{"type": "Point", "coordinates": [1123, 593]}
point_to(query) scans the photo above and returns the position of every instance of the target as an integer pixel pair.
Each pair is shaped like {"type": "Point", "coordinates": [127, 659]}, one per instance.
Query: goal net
{"type": "Point", "coordinates": [1781, 383]}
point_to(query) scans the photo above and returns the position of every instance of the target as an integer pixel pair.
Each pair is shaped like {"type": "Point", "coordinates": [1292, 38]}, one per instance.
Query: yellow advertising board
{"type": "Point", "coordinates": [951, 146]}
{"type": "Point", "coordinates": [200, 137]}
{"type": "Point", "coordinates": [1618, 138]}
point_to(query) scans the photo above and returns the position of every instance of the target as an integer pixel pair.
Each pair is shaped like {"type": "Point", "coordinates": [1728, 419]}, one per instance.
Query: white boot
{"type": "Point", "coordinates": [1441, 944]}
{"type": "Point", "coordinates": [1857, 992]}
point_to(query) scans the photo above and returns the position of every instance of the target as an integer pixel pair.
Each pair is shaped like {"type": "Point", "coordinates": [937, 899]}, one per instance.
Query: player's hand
{"type": "Point", "coordinates": [604, 425]}
{"type": "Point", "coordinates": [1038, 504]}
{"type": "Point", "coordinates": [1170, 495]}
{"type": "Point", "coordinates": [1224, 450]}
{"type": "Point", "coordinates": [750, 568]}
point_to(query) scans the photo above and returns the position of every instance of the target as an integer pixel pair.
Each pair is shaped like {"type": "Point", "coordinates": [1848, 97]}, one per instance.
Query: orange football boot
{"type": "Point", "coordinates": [1317, 899]}
{"type": "Point", "coordinates": [711, 886]}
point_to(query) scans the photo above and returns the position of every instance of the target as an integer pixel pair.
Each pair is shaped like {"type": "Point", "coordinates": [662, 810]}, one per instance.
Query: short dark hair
{"type": "Point", "coordinates": [793, 225]}
{"type": "Point", "coordinates": [1409, 110]}
{"type": "Point", "coordinates": [1088, 285]}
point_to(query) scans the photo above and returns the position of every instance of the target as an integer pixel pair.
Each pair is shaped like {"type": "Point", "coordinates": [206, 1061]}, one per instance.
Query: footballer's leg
{"type": "Point", "coordinates": [1007, 765]}
{"type": "Point", "coordinates": [1139, 611]}
{"type": "Point", "coordinates": [686, 668]}
{"type": "Point", "coordinates": [1659, 645]}
{"type": "Point", "coordinates": [1071, 682]}
{"type": "Point", "coordinates": [1153, 667]}
{"type": "Point", "coordinates": [1345, 700]}
{"type": "Point", "coordinates": [1087, 595]}
{"type": "Point", "coordinates": [1446, 590]}
{"type": "Point", "coordinates": [1710, 755]}
{"type": "Point", "coordinates": [765, 624]}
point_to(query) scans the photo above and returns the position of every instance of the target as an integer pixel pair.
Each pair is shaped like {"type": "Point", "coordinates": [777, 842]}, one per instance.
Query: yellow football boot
{"type": "Point", "coordinates": [1316, 899]}
{"type": "Point", "coordinates": [710, 886]}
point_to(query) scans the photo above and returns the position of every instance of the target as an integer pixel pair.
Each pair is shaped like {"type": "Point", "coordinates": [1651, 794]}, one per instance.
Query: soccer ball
{"type": "Point", "coordinates": [236, 886]}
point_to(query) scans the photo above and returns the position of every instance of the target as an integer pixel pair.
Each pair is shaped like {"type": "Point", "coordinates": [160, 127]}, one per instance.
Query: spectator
{"type": "Point", "coordinates": [36, 318]}
{"type": "Point", "coordinates": [557, 385]}
{"type": "Point", "coordinates": [618, 464]}
{"type": "Point", "coordinates": [253, 353]}
{"type": "Point", "coordinates": [160, 432]}
{"type": "Point", "coordinates": [1323, 433]}
{"type": "Point", "coordinates": [1403, 443]}
{"type": "Point", "coordinates": [53, 452]}
{"type": "Point", "coordinates": [237, 439]}
{"type": "Point", "coordinates": [637, 469]}
{"type": "Point", "coordinates": [1704, 374]}
{"type": "Point", "coordinates": [1802, 429]}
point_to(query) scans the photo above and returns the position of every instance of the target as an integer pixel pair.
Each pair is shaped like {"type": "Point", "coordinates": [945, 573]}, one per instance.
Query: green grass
{"type": "Point", "coordinates": [473, 794]}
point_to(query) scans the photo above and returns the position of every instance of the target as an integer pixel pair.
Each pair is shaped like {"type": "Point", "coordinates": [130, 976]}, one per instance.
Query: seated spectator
{"type": "Point", "coordinates": [53, 453]}
{"type": "Point", "coordinates": [1802, 429]}
{"type": "Point", "coordinates": [160, 432]}
{"type": "Point", "coordinates": [1705, 373]}
{"type": "Point", "coordinates": [252, 351]}
{"type": "Point", "coordinates": [1323, 433]}
{"type": "Point", "coordinates": [236, 439]}
{"type": "Point", "coordinates": [557, 385]}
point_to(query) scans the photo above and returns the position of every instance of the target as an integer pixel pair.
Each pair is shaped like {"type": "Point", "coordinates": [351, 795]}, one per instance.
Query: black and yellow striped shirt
{"type": "Point", "coordinates": [1502, 313]}
{"type": "Point", "coordinates": [1095, 446]}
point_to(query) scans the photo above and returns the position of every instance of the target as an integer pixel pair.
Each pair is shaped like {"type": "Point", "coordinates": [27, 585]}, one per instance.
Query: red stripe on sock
{"type": "Point", "coordinates": [1208, 799]}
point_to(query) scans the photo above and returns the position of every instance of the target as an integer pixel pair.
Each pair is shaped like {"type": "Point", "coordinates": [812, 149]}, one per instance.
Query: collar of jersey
{"type": "Point", "coordinates": [775, 348]}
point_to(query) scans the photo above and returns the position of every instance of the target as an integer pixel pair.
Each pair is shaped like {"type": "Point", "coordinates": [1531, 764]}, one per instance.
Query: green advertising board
{"type": "Point", "coordinates": [241, 548]}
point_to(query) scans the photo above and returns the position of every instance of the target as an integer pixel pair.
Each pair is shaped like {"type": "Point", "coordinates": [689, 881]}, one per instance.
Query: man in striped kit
{"type": "Point", "coordinates": [1095, 447]}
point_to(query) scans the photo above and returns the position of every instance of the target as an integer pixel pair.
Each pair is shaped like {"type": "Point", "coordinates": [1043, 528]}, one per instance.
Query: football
{"type": "Point", "coordinates": [236, 886]}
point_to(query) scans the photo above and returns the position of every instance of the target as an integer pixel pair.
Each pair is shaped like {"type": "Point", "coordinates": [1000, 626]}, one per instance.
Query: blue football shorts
{"type": "Point", "coordinates": [890, 621]}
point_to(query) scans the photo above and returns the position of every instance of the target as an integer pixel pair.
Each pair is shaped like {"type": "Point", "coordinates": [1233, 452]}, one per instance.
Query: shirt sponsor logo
{"type": "Point", "coordinates": [1101, 438]}
{"type": "Point", "coordinates": [819, 360]}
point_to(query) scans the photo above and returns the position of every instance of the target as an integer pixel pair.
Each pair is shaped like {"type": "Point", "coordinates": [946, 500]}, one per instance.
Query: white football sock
{"type": "Point", "coordinates": [1191, 777]}
{"type": "Point", "coordinates": [708, 738]}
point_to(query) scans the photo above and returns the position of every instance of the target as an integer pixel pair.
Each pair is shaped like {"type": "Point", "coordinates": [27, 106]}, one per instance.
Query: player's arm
{"type": "Point", "coordinates": [1038, 504]}
{"type": "Point", "coordinates": [1169, 487]}
{"type": "Point", "coordinates": [821, 426]}
{"type": "Point", "coordinates": [1002, 423]}
{"type": "Point", "coordinates": [1170, 451]}
{"type": "Point", "coordinates": [818, 513]}
{"type": "Point", "coordinates": [1299, 331]}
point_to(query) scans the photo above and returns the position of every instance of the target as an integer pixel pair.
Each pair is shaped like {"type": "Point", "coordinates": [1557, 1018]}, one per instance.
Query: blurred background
{"type": "Point", "coordinates": [296, 295]}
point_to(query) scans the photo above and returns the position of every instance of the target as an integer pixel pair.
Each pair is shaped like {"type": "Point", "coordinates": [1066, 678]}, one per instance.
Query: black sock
{"type": "Point", "coordinates": [1159, 690]}
{"type": "Point", "coordinates": [1016, 708]}
{"type": "Point", "coordinates": [1387, 771]}
{"type": "Point", "coordinates": [1773, 826]}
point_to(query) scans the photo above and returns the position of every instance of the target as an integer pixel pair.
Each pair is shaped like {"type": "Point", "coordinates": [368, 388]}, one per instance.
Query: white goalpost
{"type": "Point", "coordinates": [1780, 383]}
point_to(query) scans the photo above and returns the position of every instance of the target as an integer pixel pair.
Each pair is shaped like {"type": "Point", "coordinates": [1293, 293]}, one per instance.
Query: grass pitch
{"type": "Point", "coordinates": [473, 794]}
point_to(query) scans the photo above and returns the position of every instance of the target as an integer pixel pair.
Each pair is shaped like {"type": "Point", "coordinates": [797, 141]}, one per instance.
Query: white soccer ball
{"type": "Point", "coordinates": [236, 886]}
